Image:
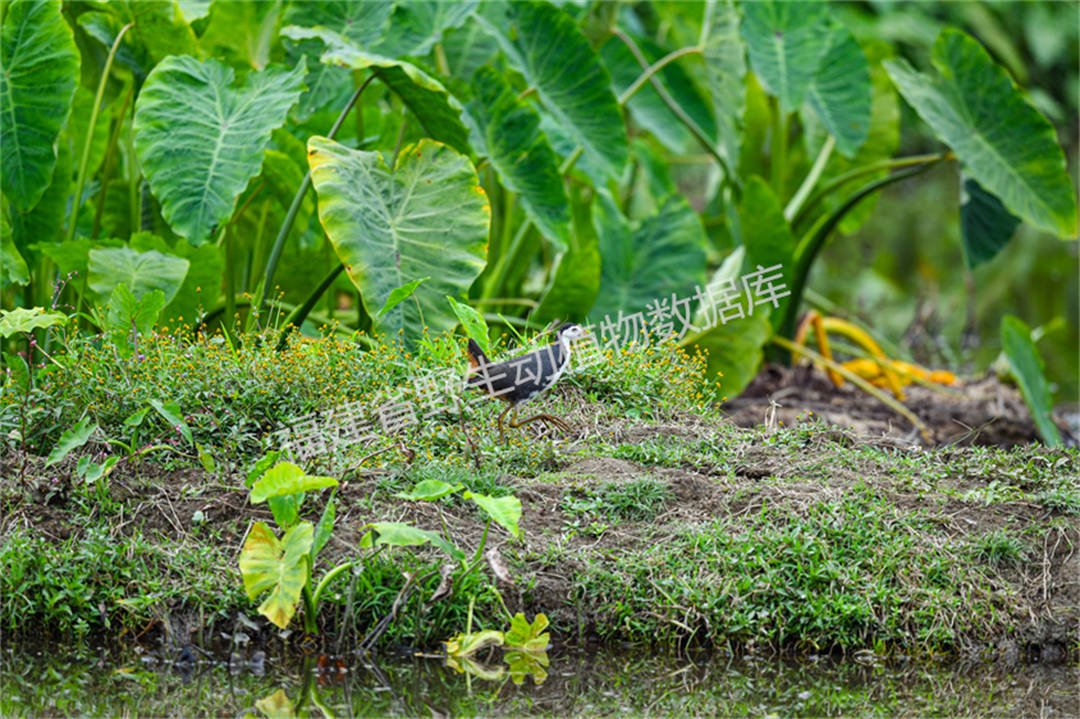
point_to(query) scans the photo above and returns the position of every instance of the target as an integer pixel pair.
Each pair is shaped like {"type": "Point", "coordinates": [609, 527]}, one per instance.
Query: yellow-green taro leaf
{"type": "Point", "coordinates": [278, 565]}
{"type": "Point", "coordinates": [426, 217]}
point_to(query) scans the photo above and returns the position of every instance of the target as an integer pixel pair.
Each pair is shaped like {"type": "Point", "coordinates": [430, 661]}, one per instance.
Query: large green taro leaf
{"type": "Point", "coordinates": [506, 130]}
{"type": "Point", "coordinates": [200, 139]}
{"type": "Point", "coordinates": [426, 217]}
{"type": "Point", "coordinates": [1001, 139]}
{"type": "Point", "coordinates": [725, 67]}
{"type": "Point", "coordinates": [545, 45]}
{"type": "Point", "coordinates": [362, 22]}
{"type": "Point", "coordinates": [1027, 366]}
{"type": "Point", "coordinates": [840, 91]}
{"type": "Point", "coordinates": [39, 69]}
{"type": "Point", "coordinates": [279, 565]}
{"type": "Point", "coordinates": [786, 41]}
{"type": "Point", "coordinates": [467, 48]}
{"type": "Point", "coordinates": [438, 112]}
{"type": "Point", "coordinates": [199, 292]}
{"type": "Point", "coordinates": [418, 24]}
{"type": "Point", "coordinates": [663, 255]}
{"type": "Point", "coordinates": [766, 235]}
{"type": "Point", "coordinates": [142, 272]}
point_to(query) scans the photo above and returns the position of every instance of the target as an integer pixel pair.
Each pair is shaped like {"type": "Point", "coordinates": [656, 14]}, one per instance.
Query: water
{"type": "Point", "coordinates": [605, 683]}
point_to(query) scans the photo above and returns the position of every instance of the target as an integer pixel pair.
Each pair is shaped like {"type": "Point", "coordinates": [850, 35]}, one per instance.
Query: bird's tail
{"type": "Point", "coordinates": [476, 355]}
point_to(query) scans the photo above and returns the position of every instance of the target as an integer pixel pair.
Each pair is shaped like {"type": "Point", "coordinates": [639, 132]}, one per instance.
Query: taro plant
{"type": "Point", "coordinates": [193, 150]}
{"type": "Point", "coordinates": [285, 565]}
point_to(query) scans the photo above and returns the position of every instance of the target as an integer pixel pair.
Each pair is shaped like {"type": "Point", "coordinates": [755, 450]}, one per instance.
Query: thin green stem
{"type": "Point", "coordinates": [327, 578]}
{"type": "Point", "coordinates": [297, 316]}
{"type": "Point", "coordinates": [655, 68]}
{"type": "Point", "coordinates": [80, 178]}
{"type": "Point", "coordinates": [290, 218]}
{"type": "Point", "coordinates": [778, 159]}
{"type": "Point", "coordinates": [106, 165]}
{"type": "Point", "coordinates": [890, 164]}
{"type": "Point", "coordinates": [677, 110]}
{"type": "Point", "coordinates": [811, 179]}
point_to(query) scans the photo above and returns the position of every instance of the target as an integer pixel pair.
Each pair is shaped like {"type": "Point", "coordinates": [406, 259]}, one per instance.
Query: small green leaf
{"type": "Point", "coordinates": [429, 490]}
{"type": "Point", "coordinates": [530, 637]}
{"type": "Point", "coordinates": [71, 439]}
{"type": "Point", "coordinates": [399, 295]}
{"type": "Point", "coordinates": [287, 478]}
{"type": "Point", "coordinates": [136, 418]}
{"type": "Point", "coordinates": [281, 566]}
{"type": "Point", "coordinates": [463, 645]}
{"type": "Point", "coordinates": [1027, 366]}
{"type": "Point", "coordinates": [22, 319]}
{"type": "Point", "coordinates": [128, 318]}
{"type": "Point", "coordinates": [473, 322]}
{"type": "Point", "coordinates": [1003, 142]}
{"type": "Point", "coordinates": [522, 664]}
{"type": "Point", "coordinates": [173, 416]}
{"type": "Point", "coordinates": [205, 458]}
{"type": "Point", "coordinates": [13, 269]}
{"type": "Point", "coordinates": [261, 465]}
{"type": "Point", "coordinates": [93, 471]}
{"type": "Point", "coordinates": [397, 534]}
{"type": "Point", "coordinates": [504, 510]}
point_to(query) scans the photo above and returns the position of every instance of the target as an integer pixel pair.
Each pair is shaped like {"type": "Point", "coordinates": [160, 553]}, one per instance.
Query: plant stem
{"type": "Point", "coordinates": [811, 179]}
{"type": "Point", "coordinates": [309, 603]}
{"type": "Point", "coordinates": [811, 243]}
{"type": "Point", "coordinates": [655, 68]}
{"type": "Point", "coordinates": [80, 178]}
{"type": "Point", "coordinates": [298, 315]}
{"type": "Point", "coordinates": [106, 167]}
{"type": "Point", "coordinates": [327, 578]}
{"type": "Point", "coordinates": [677, 110]}
{"type": "Point", "coordinates": [778, 159]}
{"type": "Point", "coordinates": [890, 164]}
{"type": "Point", "coordinates": [290, 218]}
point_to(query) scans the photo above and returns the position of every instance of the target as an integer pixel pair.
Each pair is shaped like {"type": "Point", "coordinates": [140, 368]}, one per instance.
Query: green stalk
{"type": "Point", "coordinates": [679, 113]}
{"type": "Point", "coordinates": [290, 218]}
{"type": "Point", "coordinates": [778, 159]}
{"type": "Point", "coordinates": [106, 167]}
{"type": "Point", "coordinates": [812, 242]}
{"type": "Point", "coordinates": [297, 316]}
{"type": "Point", "coordinates": [80, 179]}
{"type": "Point", "coordinates": [811, 179]}
{"type": "Point", "coordinates": [134, 205]}
{"type": "Point", "coordinates": [309, 603]}
{"type": "Point", "coordinates": [329, 577]}
{"type": "Point", "coordinates": [890, 164]}
{"type": "Point", "coordinates": [655, 68]}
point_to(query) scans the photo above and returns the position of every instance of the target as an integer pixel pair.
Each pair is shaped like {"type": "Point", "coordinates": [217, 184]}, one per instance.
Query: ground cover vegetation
{"type": "Point", "coordinates": [220, 217]}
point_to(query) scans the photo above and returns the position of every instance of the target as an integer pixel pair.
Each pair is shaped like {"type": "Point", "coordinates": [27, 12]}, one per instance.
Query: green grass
{"type": "Point", "coordinates": [847, 573]}
{"type": "Point", "coordinates": [637, 500]}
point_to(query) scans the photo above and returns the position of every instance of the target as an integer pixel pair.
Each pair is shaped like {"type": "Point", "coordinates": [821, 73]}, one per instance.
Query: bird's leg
{"type": "Point", "coordinates": [502, 435]}
{"type": "Point", "coordinates": [561, 424]}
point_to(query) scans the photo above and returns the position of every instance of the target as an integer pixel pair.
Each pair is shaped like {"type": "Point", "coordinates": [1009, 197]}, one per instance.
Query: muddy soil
{"type": "Point", "coordinates": [981, 412]}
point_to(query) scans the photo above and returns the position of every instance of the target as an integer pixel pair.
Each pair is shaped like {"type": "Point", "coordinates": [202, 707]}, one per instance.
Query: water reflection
{"type": "Point", "coordinates": [604, 683]}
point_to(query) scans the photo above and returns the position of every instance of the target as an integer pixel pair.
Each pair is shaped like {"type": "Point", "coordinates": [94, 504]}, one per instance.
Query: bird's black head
{"type": "Point", "coordinates": [570, 332]}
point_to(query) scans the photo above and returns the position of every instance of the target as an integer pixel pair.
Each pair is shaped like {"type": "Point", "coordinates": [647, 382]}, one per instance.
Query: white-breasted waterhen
{"type": "Point", "coordinates": [520, 379]}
